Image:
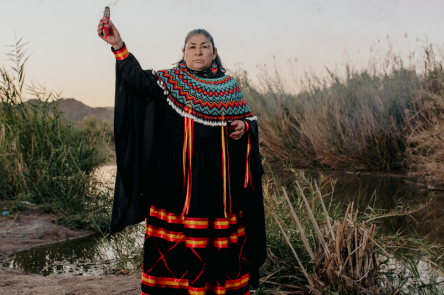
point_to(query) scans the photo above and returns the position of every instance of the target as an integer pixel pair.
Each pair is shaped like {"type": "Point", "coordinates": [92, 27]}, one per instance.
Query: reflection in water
{"type": "Point", "coordinates": [41, 260]}
{"type": "Point", "coordinates": [87, 256]}
{"type": "Point", "coordinates": [388, 192]}
{"type": "Point", "coordinates": [425, 271]}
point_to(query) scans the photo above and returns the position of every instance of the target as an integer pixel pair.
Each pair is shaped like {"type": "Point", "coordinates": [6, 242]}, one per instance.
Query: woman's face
{"type": "Point", "coordinates": [198, 53]}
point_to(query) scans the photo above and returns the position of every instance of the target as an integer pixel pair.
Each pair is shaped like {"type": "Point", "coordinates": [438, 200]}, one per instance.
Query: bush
{"type": "Point", "coordinates": [301, 219]}
{"type": "Point", "coordinates": [44, 159]}
{"type": "Point", "coordinates": [382, 117]}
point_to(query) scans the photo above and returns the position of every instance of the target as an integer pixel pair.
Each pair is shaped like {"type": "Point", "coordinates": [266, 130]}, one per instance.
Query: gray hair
{"type": "Point", "coordinates": [208, 35]}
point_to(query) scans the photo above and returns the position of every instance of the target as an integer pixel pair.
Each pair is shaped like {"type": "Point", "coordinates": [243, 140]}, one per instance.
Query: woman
{"type": "Point", "coordinates": [188, 163]}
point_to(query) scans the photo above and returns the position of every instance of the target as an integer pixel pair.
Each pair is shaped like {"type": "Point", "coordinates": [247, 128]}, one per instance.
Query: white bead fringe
{"type": "Point", "coordinates": [185, 114]}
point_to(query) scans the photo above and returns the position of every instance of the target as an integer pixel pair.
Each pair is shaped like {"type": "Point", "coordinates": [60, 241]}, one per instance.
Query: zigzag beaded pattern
{"type": "Point", "coordinates": [208, 100]}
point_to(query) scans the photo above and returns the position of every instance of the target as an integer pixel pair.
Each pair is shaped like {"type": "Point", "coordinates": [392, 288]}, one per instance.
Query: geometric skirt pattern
{"type": "Point", "coordinates": [198, 256]}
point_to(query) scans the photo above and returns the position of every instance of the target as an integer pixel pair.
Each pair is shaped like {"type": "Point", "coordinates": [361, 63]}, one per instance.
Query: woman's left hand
{"type": "Point", "coordinates": [239, 127]}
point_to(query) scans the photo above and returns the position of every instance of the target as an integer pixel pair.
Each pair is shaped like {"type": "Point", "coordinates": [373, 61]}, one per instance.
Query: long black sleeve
{"type": "Point", "coordinates": [254, 211]}
{"type": "Point", "coordinates": [138, 121]}
{"type": "Point", "coordinates": [142, 81]}
{"type": "Point", "coordinates": [256, 160]}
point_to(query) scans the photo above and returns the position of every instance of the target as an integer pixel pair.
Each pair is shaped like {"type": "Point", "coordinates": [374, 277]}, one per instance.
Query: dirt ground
{"type": "Point", "coordinates": [30, 229]}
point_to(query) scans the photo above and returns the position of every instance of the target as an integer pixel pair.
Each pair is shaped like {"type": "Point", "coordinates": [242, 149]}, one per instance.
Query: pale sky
{"type": "Point", "coordinates": [68, 56]}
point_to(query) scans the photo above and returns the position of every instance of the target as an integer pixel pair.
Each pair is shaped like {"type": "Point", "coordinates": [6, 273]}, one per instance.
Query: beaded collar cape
{"type": "Point", "coordinates": [212, 102]}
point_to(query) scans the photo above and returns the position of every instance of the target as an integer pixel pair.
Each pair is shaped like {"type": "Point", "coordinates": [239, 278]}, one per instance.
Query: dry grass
{"type": "Point", "coordinates": [344, 254]}
{"type": "Point", "coordinates": [315, 247]}
{"type": "Point", "coordinates": [387, 116]}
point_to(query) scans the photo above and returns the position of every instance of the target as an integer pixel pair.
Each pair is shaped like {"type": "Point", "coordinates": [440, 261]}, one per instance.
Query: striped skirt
{"type": "Point", "coordinates": [194, 255]}
{"type": "Point", "coordinates": [203, 252]}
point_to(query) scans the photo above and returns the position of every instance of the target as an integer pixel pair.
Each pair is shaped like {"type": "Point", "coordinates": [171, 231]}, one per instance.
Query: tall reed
{"type": "Point", "coordinates": [382, 117]}
{"type": "Point", "coordinates": [317, 247]}
{"type": "Point", "coordinates": [44, 159]}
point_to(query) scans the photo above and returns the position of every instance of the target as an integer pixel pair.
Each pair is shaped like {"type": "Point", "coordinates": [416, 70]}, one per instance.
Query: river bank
{"type": "Point", "coordinates": [29, 229]}
{"type": "Point", "coordinates": [13, 282]}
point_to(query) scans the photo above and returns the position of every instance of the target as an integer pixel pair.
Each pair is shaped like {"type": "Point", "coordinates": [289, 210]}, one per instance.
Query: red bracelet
{"type": "Point", "coordinates": [122, 53]}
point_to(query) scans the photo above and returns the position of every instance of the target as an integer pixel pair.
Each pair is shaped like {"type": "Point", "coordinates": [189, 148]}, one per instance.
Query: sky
{"type": "Point", "coordinates": [69, 57]}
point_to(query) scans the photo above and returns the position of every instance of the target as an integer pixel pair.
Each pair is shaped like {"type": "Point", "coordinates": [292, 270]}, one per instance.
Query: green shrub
{"type": "Point", "coordinates": [44, 159]}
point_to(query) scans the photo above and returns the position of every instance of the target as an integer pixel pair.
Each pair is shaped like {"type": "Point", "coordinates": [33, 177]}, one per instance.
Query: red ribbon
{"type": "Point", "coordinates": [247, 164]}
{"type": "Point", "coordinates": [106, 27]}
{"type": "Point", "coordinates": [187, 156]}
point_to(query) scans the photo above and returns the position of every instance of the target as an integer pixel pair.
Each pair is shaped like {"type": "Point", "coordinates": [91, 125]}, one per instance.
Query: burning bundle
{"type": "Point", "coordinates": [106, 17]}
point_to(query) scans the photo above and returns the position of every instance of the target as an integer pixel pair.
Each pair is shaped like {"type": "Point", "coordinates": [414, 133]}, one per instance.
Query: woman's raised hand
{"type": "Point", "coordinates": [239, 129]}
{"type": "Point", "coordinates": [114, 36]}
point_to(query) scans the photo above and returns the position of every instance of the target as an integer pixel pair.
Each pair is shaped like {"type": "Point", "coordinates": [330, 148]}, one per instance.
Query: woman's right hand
{"type": "Point", "coordinates": [114, 36]}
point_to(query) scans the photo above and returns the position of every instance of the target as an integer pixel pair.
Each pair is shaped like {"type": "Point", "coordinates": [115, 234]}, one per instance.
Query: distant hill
{"type": "Point", "coordinates": [77, 111]}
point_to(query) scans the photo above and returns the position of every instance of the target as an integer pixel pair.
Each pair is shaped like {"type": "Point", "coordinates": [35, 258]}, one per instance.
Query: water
{"type": "Point", "coordinates": [71, 257]}
{"type": "Point", "coordinates": [92, 255]}
{"type": "Point", "coordinates": [389, 193]}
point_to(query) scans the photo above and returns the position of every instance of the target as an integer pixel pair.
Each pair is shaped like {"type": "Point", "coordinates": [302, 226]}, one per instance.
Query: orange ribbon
{"type": "Point", "coordinates": [187, 156]}
{"type": "Point", "coordinates": [248, 160]}
{"type": "Point", "coordinates": [226, 169]}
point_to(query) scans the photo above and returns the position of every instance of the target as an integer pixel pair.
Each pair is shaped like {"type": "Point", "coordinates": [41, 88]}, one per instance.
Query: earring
{"type": "Point", "coordinates": [183, 67]}
{"type": "Point", "coordinates": [214, 68]}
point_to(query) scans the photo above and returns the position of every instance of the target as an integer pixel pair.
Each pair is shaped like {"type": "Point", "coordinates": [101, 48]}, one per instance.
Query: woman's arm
{"type": "Point", "coordinates": [142, 81]}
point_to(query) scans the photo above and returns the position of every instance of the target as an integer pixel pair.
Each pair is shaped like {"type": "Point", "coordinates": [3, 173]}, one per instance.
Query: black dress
{"type": "Point", "coordinates": [207, 251]}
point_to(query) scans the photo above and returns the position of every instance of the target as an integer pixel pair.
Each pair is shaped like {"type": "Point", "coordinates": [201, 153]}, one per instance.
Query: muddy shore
{"type": "Point", "coordinates": [30, 229]}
